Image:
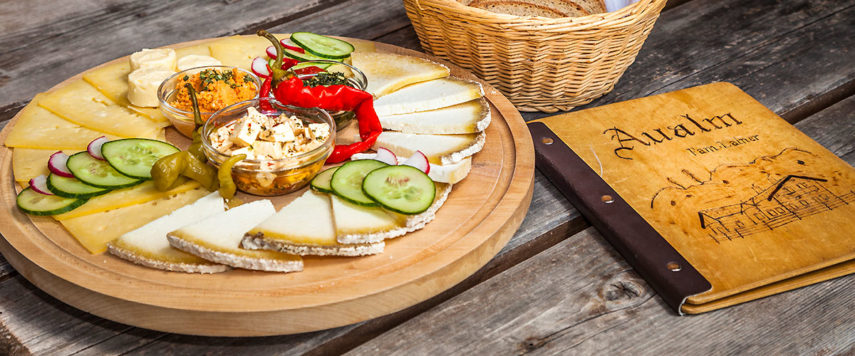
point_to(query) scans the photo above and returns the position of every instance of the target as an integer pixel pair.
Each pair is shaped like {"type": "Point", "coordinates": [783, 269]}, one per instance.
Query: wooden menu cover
{"type": "Point", "coordinates": [713, 198]}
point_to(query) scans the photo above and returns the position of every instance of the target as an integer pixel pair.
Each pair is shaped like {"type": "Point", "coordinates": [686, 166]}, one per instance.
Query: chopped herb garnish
{"type": "Point", "coordinates": [326, 79]}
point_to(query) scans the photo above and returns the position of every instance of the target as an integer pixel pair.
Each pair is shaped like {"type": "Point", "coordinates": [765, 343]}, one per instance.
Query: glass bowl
{"type": "Point", "coordinates": [271, 177]}
{"type": "Point", "coordinates": [355, 79]}
{"type": "Point", "coordinates": [183, 119]}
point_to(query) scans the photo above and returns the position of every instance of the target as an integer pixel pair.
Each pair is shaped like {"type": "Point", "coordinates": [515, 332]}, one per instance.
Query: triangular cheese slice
{"type": "Point", "coordinates": [94, 231]}
{"type": "Point", "coordinates": [439, 173]}
{"type": "Point", "coordinates": [352, 219]}
{"type": "Point", "coordinates": [149, 247]}
{"type": "Point", "coordinates": [112, 81]}
{"type": "Point", "coordinates": [430, 95]}
{"type": "Point", "coordinates": [218, 238]}
{"type": "Point", "coordinates": [120, 198]}
{"type": "Point", "coordinates": [305, 227]}
{"type": "Point", "coordinates": [387, 72]}
{"type": "Point", "coordinates": [439, 149]}
{"type": "Point", "coordinates": [411, 222]}
{"type": "Point", "coordinates": [469, 117]}
{"type": "Point", "coordinates": [84, 105]}
{"type": "Point", "coordinates": [36, 127]}
{"type": "Point", "coordinates": [199, 50]}
{"type": "Point", "coordinates": [239, 51]}
{"type": "Point", "coordinates": [28, 163]}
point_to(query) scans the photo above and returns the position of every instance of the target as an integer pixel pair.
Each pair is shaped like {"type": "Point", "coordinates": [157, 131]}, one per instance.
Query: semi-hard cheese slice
{"type": "Point", "coordinates": [218, 238]}
{"type": "Point", "coordinates": [28, 163]}
{"type": "Point", "coordinates": [94, 231]}
{"type": "Point", "coordinates": [469, 117]}
{"type": "Point", "coordinates": [239, 51]}
{"type": "Point", "coordinates": [439, 149]}
{"type": "Point", "coordinates": [112, 81]}
{"type": "Point", "coordinates": [148, 245]}
{"type": "Point", "coordinates": [199, 50]}
{"type": "Point", "coordinates": [138, 194]}
{"type": "Point", "coordinates": [430, 95]}
{"type": "Point", "coordinates": [387, 72]}
{"type": "Point", "coordinates": [195, 60]}
{"type": "Point", "coordinates": [84, 105]}
{"type": "Point", "coordinates": [36, 127]}
{"type": "Point", "coordinates": [305, 227]}
{"type": "Point", "coordinates": [355, 219]}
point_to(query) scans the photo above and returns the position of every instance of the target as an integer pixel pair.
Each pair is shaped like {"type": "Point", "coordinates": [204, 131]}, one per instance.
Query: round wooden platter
{"type": "Point", "coordinates": [479, 217]}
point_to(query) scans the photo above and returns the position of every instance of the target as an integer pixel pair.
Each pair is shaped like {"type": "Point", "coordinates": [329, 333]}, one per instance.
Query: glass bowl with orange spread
{"type": "Point", "coordinates": [216, 88]}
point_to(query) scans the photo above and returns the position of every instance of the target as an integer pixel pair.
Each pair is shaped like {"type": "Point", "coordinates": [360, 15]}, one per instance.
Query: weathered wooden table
{"type": "Point", "coordinates": [557, 287]}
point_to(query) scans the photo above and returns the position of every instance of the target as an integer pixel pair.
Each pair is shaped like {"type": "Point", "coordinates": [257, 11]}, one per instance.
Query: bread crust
{"type": "Point", "coordinates": [167, 266]}
{"type": "Point", "coordinates": [259, 242]}
{"type": "Point", "coordinates": [258, 264]}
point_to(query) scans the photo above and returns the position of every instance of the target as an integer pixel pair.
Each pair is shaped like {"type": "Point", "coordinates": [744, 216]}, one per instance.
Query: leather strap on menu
{"type": "Point", "coordinates": [670, 275]}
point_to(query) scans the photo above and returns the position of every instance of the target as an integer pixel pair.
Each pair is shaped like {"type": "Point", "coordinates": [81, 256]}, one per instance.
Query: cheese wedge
{"type": "Point", "coordinates": [239, 51]}
{"type": "Point", "coordinates": [143, 83]}
{"type": "Point", "coordinates": [112, 81]}
{"type": "Point", "coordinates": [94, 231]}
{"type": "Point", "coordinates": [28, 163]}
{"type": "Point", "coordinates": [138, 194]}
{"type": "Point", "coordinates": [469, 117]}
{"type": "Point", "coordinates": [199, 50]}
{"type": "Point", "coordinates": [305, 227]}
{"type": "Point", "coordinates": [361, 45]}
{"type": "Point", "coordinates": [355, 219]}
{"type": "Point", "coordinates": [439, 173]}
{"type": "Point", "coordinates": [149, 247]}
{"type": "Point", "coordinates": [39, 128]}
{"type": "Point", "coordinates": [218, 238]}
{"type": "Point", "coordinates": [84, 105]}
{"type": "Point", "coordinates": [387, 72]}
{"type": "Point", "coordinates": [195, 60]}
{"type": "Point", "coordinates": [158, 58]}
{"type": "Point", "coordinates": [439, 149]}
{"type": "Point", "coordinates": [411, 222]}
{"type": "Point", "coordinates": [430, 95]}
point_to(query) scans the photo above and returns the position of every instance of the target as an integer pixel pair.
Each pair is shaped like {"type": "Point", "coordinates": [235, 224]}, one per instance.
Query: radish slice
{"type": "Point", "coordinates": [39, 185]}
{"type": "Point", "coordinates": [418, 160]}
{"type": "Point", "coordinates": [386, 156]}
{"type": "Point", "coordinates": [94, 147]}
{"type": "Point", "coordinates": [271, 52]}
{"type": "Point", "coordinates": [289, 45]}
{"type": "Point", "coordinates": [56, 165]}
{"type": "Point", "coordinates": [259, 67]}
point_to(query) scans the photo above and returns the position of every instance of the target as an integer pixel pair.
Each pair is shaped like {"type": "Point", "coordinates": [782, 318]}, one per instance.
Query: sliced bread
{"type": "Point", "coordinates": [149, 247]}
{"type": "Point", "coordinates": [305, 227]}
{"type": "Point", "coordinates": [218, 239]}
{"type": "Point", "coordinates": [411, 222]}
{"type": "Point", "coordinates": [387, 72]}
{"type": "Point", "coordinates": [440, 173]}
{"type": "Point", "coordinates": [469, 117]}
{"type": "Point", "coordinates": [430, 95]}
{"type": "Point", "coordinates": [439, 149]}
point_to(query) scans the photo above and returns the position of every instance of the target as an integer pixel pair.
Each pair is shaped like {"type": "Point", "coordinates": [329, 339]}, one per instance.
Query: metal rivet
{"type": "Point", "coordinates": [607, 199]}
{"type": "Point", "coordinates": [547, 141]}
{"type": "Point", "coordinates": [673, 267]}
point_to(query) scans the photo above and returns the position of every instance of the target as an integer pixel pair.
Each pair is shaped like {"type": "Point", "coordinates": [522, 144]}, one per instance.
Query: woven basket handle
{"type": "Point", "coordinates": [419, 5]}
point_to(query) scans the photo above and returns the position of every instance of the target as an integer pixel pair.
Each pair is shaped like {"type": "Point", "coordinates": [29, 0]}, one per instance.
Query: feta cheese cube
{"type": "Point", "coordinates": [246, 132]}
{"type": "Point", "coordinates": [282, 133]}
{"type": "Point", "coordinates": [321, 131]}
{"type": "Point", "coordinates": [244, 151]}
{"type": "Point", "coordinates": [269, 149]}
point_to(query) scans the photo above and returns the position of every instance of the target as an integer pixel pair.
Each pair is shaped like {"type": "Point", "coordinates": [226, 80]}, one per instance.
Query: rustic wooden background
{"type": "Point", "coordinates": [557, 287]}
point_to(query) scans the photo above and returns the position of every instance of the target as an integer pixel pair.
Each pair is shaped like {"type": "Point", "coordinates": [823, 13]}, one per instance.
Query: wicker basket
{"type": "Point", "coordinates": [540, 64]}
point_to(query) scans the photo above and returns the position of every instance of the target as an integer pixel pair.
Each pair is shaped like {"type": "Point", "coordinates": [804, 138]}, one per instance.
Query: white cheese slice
{"type": "Point", "coordinates": [469, 117]}
{"type": "Point", "coordinates": [218, 238]}
{"type": "Point", "coordinates": [159, 58]}
{"type": "Point", "coordinates": [430, 95]}
{"type": "Point", "coordinates": [112, 81]}
{"type": "Point", "coordinates": [149, 247]}
{"type": "Point", "coordinates": [355, 219]}
{"type": "Point", "coordinates": [439, 149]}
{"type": "Point", "coordinates": [143, 83]}
{"type": "Point", "coordinates": [440, 173]}
{"type": "Point", "coordinates": [387, 72]}
{"type": "Point", "coordinates": [195, 60]}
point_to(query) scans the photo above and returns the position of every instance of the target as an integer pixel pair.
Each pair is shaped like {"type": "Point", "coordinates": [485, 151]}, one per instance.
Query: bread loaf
{"type": "Point", "coordinates": [543, 8]}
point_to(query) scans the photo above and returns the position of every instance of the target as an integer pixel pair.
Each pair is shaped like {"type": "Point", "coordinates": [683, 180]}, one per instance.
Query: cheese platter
{"type": "Point", "coordinates": [488, 194]}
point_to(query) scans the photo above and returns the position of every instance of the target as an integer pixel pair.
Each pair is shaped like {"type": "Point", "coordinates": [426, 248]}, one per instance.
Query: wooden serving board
{"type": "Point", "coordinates": [479, 217]}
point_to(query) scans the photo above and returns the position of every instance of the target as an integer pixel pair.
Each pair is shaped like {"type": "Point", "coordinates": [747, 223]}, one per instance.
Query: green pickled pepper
{"type": "Point", "coordinates": [224, 175]}
{"type": "Point", "coordinates": [166, 171]}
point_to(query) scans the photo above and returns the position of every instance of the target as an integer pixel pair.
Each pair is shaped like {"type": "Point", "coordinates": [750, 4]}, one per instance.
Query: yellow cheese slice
{"type": "Point", "coordinates": [238, 51]}
{"type": "Point", "coordinates": [84, 105]}
{"type": "Point", "coordinates": [112, 81]}
{"type": "Point", "coordinates": [120, 198]}
{"type": "Point", "coordinates": [388, 72]}
{"type": "Point", "coordinates": [28, 163]}
{"type": "Point", "coordinates": [199, 50]}
{"type": "Point", "coordinates": [362, 45]}
{"type": "Point", "coordinates": [39, 128]}
{"type": "Point", "coordinates": [94, 231]}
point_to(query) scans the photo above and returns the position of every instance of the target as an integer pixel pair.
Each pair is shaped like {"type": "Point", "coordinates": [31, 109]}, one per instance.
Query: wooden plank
{"type": "Point", "coordinates": [365, 19]}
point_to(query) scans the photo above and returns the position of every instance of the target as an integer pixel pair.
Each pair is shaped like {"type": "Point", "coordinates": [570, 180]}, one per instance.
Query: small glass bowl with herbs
{"type": "Point", "coordinates": [286, 146]}
{"type": "Point", "coordinates": [326, 72]}
{"type": "Point", "coordinates": [216, 88]}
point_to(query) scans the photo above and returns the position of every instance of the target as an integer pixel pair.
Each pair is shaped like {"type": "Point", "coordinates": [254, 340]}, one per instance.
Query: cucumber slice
{"type": "Point", "coordinates": [403, 189]}
{"type": "Point", "coordinates": [290, 53]}
{"type": "Point", "coordinates": [72, 187]}
{"type": "Point", "coordinates": [306, 65]}
{"type": "Point", "coordinates": [321, 182]}
{"type": "Point", "coordinates": [97, 173]}
{"type": "Point", "coordinates": [39, 204]}
{"type": "Point", "coordinates": [346, 181]}
{"type": "Point", "coordinates": [322, 46]}
{"type": "Point", "coordinates": [134, 157]}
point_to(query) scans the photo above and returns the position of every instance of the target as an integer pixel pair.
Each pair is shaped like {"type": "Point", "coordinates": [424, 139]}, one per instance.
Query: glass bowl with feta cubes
{"type": "Point", "coordinates": [285, 146]}
{"type": "Point", "coordinates": [327, 72]}
{"type": "Point", "coordinates": [216, 88]}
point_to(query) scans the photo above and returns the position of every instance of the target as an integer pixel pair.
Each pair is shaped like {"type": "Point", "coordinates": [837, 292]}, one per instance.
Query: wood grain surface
{"type": "Point", "coordinates": [760, 45]}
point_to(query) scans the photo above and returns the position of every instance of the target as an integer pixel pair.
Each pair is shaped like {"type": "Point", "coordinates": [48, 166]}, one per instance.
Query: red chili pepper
{"type": "Point", "coordinates": [309, 70]}
{"type": "Point", "coordinates": [264, 92]}
{"type": "Point", "coordinates": [335, 98]}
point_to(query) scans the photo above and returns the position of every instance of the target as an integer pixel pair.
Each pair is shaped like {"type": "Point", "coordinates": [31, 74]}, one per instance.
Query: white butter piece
{"type": "Point", "coordinates": [162, 58]}
{"type": "Point", "coordinates": [142, 86]}
{"type": "Point", "coordinates": [195, 60]}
